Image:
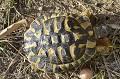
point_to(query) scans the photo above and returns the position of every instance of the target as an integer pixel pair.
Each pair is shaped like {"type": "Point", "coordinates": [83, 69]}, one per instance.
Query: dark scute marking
{"type": "Point", "coordinates": [40, 30]}
{"type": "Point", "coordinates": [52, 26]}
{"type": "Point", "coordinates": [47, 56]}
{"type": "Point", "coordinates": [49, 24]}
{"type": "Point", "coordinates": [43, 61]}
{"type": "Point", "coordinates": [72, 40]}
{"type": "Point", "coordinates": [78, 30]}
{"type": "Point", "coordinates": [90, 51]}
{"type": "Point", "coordinates": [44, 57]}
{"type": "Point", "coordinates": [55, 56]}
{"type": "Point", "coordinates": [49, 67]}
{"type": "Point", "coordinates": [35, 50]}
{"type": "Point", "coordinates": [50, 41]}
{"type": "Point", "coordinates": [81, 30]}
{"type": "Point", "coordinates": [62, 30]}
{"type": "Point", "coordinates": [46, 39]}
{"type": "Point", "coordinates": [67, 38]}
{"type": "Point", "coordinates": [55, 59]}
{"type": "Point", "coordinates": [79, 52]}
{"type": "Point", "coordinates": [45, 47]}
{"type": "Point", "coordinates": [71, 22]}
{"type": "Point", "coordinates": [39, 43]}
{"type": "Point", "coordinates": [41, 64]}
{"type": "Point", "coordinates": [29, 33]}
{"type": "Point", "coordinates": [75, 15]}
{"type": "Point", "coordinates": [68, 55]}
{"type": "Point", "coordinates": [76, 53]}
{"type": "Point", "coordinates": [33, 58]}
{"type": "Point", "coordinates": [82, 51]}
{"type": "Point", "coordinates": [55, 38]}
{"type": "Point", "coordinates": [35, 26]}
{"type": "Point", "coordinates": [41, 39]}
{"type": "Point", "coordinates": [58, 69]}
{"type": "Point", "coordinates": [89, 28]}
{"type": "Point", "coordinates": [38, 48]}
{"type": "Point", "coordinates": [92, 38]}
{"type": "Point", "coordinates": [63, 55]}
{"type": "Point", "coordinates": [59, 39]}
{"type": "Point", "coordinates": [58, 61]}
{"type": "Point", "coordinates": [35, 39]}
{"type": "Point", "coordinates": [59, 24]}
{"type": "Point", "coordinates": [82, 40]}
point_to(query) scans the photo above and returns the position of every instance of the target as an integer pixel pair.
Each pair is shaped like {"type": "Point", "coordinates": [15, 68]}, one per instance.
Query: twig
{"type": "Point", "coordinates": [106, 67]}
{"type": "Point", "coordinates": [15, 26]}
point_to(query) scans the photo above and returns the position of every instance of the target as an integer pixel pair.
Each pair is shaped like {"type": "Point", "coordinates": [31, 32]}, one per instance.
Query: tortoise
{"type": "Point", "coordinates": [57, 42]}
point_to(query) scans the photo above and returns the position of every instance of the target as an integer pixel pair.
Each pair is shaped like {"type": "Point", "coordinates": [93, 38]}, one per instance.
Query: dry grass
{"type": "Point", "coordinates": [13, 63]}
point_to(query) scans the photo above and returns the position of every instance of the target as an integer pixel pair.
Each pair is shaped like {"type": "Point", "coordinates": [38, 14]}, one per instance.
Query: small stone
{"type": "Point", "coordinates": [86, 73]}
{"type": "Point", "coordinates": [40, 8]}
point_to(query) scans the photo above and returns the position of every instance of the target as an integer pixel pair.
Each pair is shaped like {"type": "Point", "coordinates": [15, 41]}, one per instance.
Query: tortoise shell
{"type": "Point", "coordinates": [58, 42]}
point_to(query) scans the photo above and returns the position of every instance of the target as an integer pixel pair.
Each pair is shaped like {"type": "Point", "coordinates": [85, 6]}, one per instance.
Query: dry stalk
{"type": "Point", "coordinates": [15, 26]}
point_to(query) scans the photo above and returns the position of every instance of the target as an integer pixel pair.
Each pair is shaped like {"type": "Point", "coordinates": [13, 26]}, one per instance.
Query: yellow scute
{"type": "Point", "coordinates": [72, 49]}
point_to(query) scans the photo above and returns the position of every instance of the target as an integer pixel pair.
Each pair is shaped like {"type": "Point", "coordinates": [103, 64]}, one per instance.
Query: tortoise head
{"type": "Point", "coordinates": [100, 30]}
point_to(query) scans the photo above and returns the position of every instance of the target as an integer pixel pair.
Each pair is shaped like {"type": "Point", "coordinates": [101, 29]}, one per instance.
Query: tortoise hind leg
{"type": "Point", "coordinates": [103, 46]}
{"type": "Point", "coordinates": [103, 42]}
